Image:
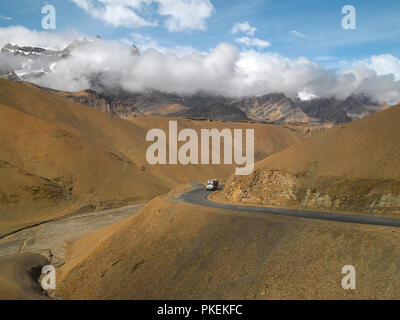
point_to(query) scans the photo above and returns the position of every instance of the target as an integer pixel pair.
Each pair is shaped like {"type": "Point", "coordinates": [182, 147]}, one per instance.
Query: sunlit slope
{"type": "Point", "coordinates": [268, 139]}
{"type": "Point", "coordinates": [97, 160]}
{"type": "Point", "coordinates": [175, 250]}
{"type": "Point", "coordinates": [89, 174]}
{"type": "Point", "coordinates": [22, 193]}
{"type": "Point", "coordinates": [76, 148]}
{"type": "Point", "coordinates": [354, 167]}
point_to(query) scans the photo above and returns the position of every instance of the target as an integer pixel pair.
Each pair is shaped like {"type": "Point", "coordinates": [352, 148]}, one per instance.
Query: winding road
{"type": "Point", "coordinates": [199, 196]}
{"type": "Point", "coordinates": [49, 238]}
{"type": "Point", "coordinates": [26, 248]}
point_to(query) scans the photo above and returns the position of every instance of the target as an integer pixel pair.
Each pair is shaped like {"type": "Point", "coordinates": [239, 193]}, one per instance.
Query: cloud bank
{"type": "Point", "coordinates": [223, 70]}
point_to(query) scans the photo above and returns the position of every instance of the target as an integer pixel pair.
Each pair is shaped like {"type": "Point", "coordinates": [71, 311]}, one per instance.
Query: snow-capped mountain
{"type": "Point", "coordinates": [33, 64]}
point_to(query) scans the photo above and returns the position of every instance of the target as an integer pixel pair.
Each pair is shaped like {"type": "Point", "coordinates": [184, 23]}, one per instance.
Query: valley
{"type": "Point", "coordinates": [77, 190]}
{"type": "Point", "coordinates": [191, 156]}
{"type": "Point", "coordinates": [59, 158]}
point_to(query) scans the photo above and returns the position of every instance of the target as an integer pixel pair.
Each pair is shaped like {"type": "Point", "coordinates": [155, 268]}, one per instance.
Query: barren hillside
{"type": "Point", "coordinates": [179, 251]}
{"type": "Point", "coordinates": [59, 157]}
{"type": "Point", "coordinates": [354, 167]}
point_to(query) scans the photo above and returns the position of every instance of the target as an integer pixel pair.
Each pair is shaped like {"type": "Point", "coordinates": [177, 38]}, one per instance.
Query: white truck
{"type": "Point", "coordinates": [212, 185]}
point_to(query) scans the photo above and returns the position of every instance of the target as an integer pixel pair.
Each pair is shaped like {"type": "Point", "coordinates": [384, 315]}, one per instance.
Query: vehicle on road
{"type": "Point", "coordinates": [212, 185]}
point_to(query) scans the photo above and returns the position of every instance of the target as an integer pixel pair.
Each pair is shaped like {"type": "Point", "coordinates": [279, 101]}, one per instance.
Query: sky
{"type": "Point", "coordinates": [298, 34]}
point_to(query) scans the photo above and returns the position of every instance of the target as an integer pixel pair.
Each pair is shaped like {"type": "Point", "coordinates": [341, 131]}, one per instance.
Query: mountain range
{"type": "Point", "coordinates": [32, 63]}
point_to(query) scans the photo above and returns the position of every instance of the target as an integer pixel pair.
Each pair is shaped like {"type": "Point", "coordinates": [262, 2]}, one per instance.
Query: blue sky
{"type": "Point", "coordinates": [318, 23]}
{"type": "Point", "coordinates": [233, 48]}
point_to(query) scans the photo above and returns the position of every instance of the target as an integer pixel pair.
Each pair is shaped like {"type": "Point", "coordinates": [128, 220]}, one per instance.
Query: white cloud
{"type": "Point", "coordinates": [306, 96]}
{"type": "Point", "coordinates": [22, 36]}
{"type": "Point", "coordinates": [298, 34]}
{"type": "Point", "coordinates": [244, 27]}
{"type": "Point", "coordinates": [3, 17]}
{"type": "Point", "coordinates": [184, 75]}
{"type": "Point", "coordinates": [248, 40]}
{"type": "Point", "coordinates": [253, 42]}
{"type": "Point", "coordinates": [116, 12]}
{"type": "Point", "coordinates": [185, 14]}
{"type": "Point", "coordinates": [179, 14]}
{"type": "Point", "coordinates": [384, 64]}
{"type": "Point", "coordinates": [223, 70]}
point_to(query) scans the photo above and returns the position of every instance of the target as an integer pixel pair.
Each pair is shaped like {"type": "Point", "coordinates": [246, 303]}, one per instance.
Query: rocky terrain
{"type": "Point", "coordinates": [115, 106]}
{"type": "Point", "coordinates": [337, 111]}
{"type": "Point", "coordinates": [272, 108]}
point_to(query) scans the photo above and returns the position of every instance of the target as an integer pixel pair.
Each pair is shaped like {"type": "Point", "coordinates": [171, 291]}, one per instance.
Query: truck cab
{"type": "Point", "coordinates": [212, 185]}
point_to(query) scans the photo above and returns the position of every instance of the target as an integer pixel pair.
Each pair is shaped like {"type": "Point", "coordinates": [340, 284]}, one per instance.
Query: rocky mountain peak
{"type": "Point", "coordinates": [24, 51]}
{"type": "Point", "coordinates": [135, 51]}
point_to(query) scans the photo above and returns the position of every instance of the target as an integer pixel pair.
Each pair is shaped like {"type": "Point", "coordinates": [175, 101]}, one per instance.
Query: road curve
{"type": "Point", "coordinates": [199, 196]}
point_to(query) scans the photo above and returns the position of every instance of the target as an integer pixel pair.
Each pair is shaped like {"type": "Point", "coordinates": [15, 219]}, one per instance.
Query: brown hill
{"type": "Point", "coordinates": [78, 158]}
{"type": "Point", "coordinates": [20, 190]}
{"type": "Point", "coordinates": [175, 250]}
{"type": "Point", "coordinates": [67, 144]}
{"type": "Point", "coordinates": [17, 274]}
{"type": "Point", "coordinates": [354, 167]}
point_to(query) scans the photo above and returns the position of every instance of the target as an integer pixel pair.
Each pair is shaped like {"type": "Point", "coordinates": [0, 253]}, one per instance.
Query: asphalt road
{"type": "Point", "coordinates": [199, 196]}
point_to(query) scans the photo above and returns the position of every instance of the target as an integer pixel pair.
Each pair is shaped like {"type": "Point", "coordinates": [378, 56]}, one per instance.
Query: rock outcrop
{"type": "Point", "coordinates": [284, 189]}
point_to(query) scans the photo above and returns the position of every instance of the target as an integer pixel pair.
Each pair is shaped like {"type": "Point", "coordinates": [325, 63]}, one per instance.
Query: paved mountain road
{"type": "Point", "coordinates": [49, 238]}
{"type": "Point", "coordinates": [199, 196]}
